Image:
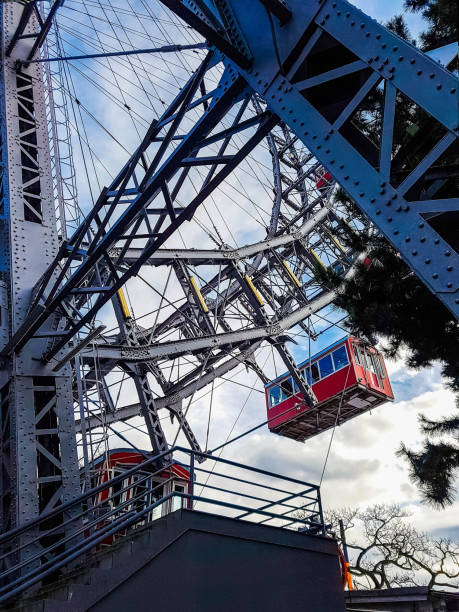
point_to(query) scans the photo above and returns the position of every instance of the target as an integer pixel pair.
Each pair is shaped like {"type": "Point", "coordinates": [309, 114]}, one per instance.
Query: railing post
{"type": "Point", "coordinates": [191, 485]}
{"type": "Point", "coordinates": [321, 514]}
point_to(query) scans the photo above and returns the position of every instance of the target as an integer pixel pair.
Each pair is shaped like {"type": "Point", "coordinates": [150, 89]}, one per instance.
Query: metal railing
{"type": "Point", "coordinates": [41, 549]}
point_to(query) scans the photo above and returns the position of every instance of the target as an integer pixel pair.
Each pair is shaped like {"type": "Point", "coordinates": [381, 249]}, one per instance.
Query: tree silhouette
{"type": "Point", "coordinates": [385, 550]}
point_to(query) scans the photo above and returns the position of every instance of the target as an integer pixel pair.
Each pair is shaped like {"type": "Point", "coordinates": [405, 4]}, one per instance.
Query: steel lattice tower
{"type": "Point", "coordinates": [39, 459]}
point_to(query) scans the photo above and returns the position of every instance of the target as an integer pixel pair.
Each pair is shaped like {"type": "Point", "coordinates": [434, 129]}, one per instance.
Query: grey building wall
{"type": "Point", "coordinates": [232, 566]}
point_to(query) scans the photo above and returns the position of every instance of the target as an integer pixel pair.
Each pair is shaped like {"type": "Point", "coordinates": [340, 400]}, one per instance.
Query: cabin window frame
{"type": "Point", "coordinates": [343, 346]}
{"type": "Point", "coordinates": [283, 395]}
{"type": "Point", "coordinates": [359, 357]}
{"type": "Point", "coordinates": [329, 355]}
{"type": "Point", "coordinates": [379, 367]}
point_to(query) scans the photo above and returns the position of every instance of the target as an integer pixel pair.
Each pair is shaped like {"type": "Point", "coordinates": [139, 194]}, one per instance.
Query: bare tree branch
{"type": "Point", "coordinates": [386, 550]}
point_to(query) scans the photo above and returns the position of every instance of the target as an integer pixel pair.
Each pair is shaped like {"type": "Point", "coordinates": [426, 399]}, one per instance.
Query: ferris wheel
{"type": "Point", "coordinates": [236, 280]}
{"type": "Point", "coordinates": [185, 220]}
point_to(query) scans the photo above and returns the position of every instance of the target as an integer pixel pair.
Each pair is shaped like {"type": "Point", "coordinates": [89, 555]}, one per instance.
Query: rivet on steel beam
{"type": "Point", "coordinates": [450, 268]}
{"type": "Point", "coordinates": [427, 261]}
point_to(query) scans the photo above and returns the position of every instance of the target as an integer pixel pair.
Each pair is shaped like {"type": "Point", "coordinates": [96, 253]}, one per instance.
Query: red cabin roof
{"type": "Point", "coordinates": [348, 378]}
{"type": "Point", "coordinates": [128, 457]}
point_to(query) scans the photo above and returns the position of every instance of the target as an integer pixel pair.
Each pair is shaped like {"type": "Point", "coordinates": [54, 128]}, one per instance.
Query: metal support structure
{"type": "Point", "coordinates": [39, 458]}
{"type": "Point", "coordinates": [315, 71]}
{"type": "Point", "coordinates": [296, 74]}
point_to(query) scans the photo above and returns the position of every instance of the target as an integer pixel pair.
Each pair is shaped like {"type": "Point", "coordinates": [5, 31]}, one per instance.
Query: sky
{"type": "Point", "coordinates": [362, 467]}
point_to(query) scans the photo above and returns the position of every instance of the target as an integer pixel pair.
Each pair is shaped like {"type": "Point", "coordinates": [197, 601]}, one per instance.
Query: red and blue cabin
{"type": "Point", "coordinates": [348, 378]}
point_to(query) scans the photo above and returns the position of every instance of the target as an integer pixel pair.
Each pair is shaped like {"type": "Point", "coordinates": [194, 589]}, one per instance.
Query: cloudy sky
{"type": "Point", "coordinates": [362, 467]}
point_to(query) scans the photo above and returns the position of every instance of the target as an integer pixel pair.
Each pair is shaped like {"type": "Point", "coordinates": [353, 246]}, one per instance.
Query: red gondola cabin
{"type": "Point", "coordinates": [153, 483]}
{"type": "Point", "coordinates": [348, 377]}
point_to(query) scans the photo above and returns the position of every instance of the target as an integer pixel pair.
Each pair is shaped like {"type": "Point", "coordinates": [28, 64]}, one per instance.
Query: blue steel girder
{"type": "Point", "coordinates": [317, 71]}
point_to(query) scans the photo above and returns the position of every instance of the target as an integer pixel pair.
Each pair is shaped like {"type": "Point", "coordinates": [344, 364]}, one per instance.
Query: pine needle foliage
{"type": "Point", "coordinates": [442, 19]}
{"type": "Point", "coordinates": [385, 299]}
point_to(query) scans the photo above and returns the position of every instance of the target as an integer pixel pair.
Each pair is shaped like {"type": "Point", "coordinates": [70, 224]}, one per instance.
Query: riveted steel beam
{"type": "Point", "coordinates": [362, 54]}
